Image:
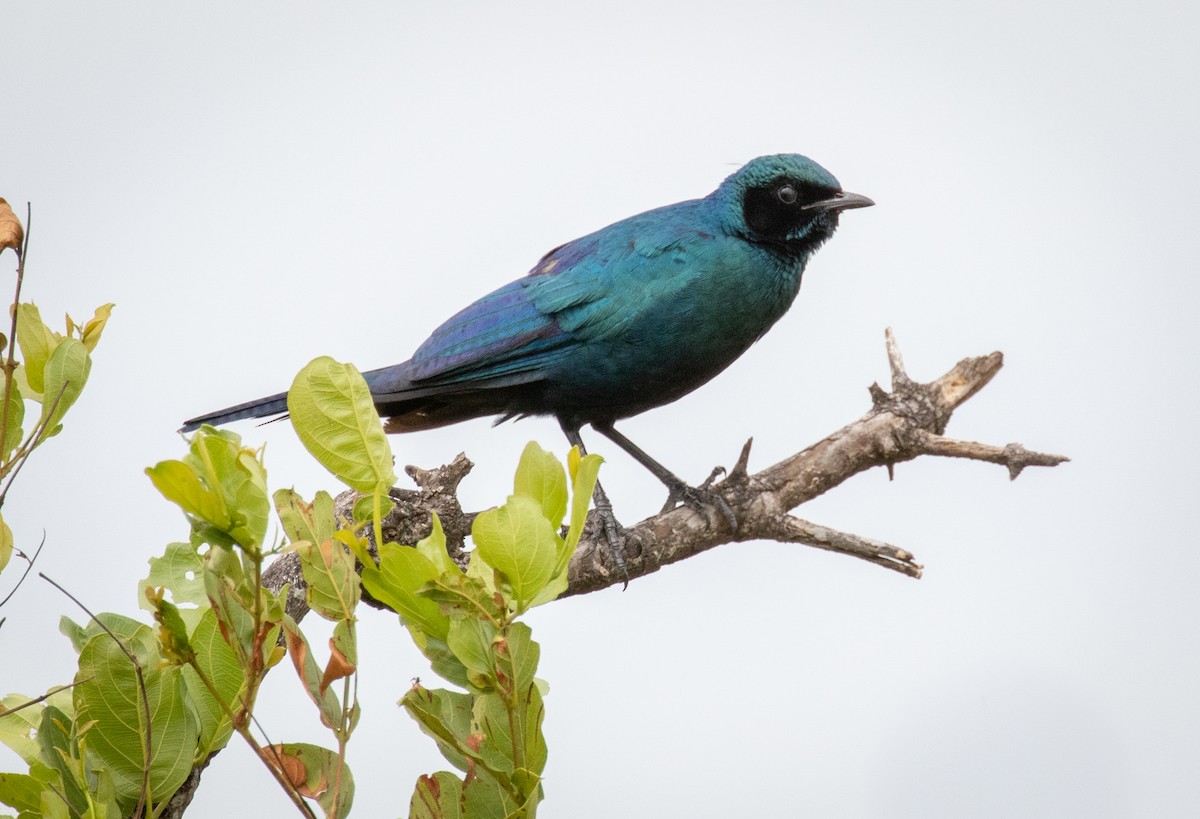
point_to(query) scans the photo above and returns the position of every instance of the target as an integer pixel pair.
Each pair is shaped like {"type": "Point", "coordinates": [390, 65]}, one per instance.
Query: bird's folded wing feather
{"type": "Point", "coordinates": [591, 288]}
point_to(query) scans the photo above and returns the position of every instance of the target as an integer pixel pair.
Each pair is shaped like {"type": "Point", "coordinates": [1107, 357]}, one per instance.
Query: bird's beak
{"type": "Point", "coordinates": [841, 201]}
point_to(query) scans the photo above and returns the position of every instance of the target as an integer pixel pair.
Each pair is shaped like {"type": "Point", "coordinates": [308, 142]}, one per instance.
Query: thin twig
{"type": "Point", "coordinates": [1013, 456]}
{"type": "Point", "coordinates": [47, 695]}
{"type": "Point", "coordinates": [277, 769]}
{"type": "Point", "coordinates": [28, 569]}
{"type": "Point", "coordinates": [244, 732]}
{"type": "Point", "coordinates": [791, 529]}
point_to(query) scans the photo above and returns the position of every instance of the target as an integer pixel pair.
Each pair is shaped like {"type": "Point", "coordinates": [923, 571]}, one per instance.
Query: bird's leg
{"type": "Point", "coordinates": [613, 531]}
{"type": "Point", "coordinates": [678, 491]}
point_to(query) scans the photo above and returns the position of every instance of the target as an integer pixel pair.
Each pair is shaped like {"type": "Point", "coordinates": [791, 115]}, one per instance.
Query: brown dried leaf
{"type": "Point", "coordinates": [338, 667]}
{"type": "Point", "coordinates": [293, 768]}
{"type": "Point", "coordinates": [11, 232]}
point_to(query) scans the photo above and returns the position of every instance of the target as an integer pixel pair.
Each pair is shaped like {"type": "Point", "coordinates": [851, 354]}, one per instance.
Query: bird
{"type": "Point", "coordinates": [625, 319]}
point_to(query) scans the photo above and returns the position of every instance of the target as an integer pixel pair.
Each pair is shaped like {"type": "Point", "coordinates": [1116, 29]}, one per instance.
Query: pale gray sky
{"type": "Point", "coordinates": [258, 184]}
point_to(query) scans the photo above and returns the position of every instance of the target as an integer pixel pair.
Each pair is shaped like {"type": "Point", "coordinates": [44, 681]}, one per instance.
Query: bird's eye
{"type": "Point", "coordinates": [787, 195]}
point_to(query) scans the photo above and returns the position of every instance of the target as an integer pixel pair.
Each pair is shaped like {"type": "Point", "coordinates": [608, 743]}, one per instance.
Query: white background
{"type": "Point", "coordinates": [258, 184]}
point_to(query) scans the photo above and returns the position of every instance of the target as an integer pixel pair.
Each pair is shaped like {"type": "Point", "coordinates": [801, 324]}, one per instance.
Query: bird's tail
{"type": "Point", "coordinates": [387, 382]}
{"type": "Point", "coordinates": [271, 405]}
{"type": "Point", "coordinates": [407, 407]}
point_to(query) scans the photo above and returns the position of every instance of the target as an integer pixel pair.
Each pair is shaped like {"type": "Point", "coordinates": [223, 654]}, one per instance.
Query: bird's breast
{"type": "Point", "coordinates": [674, 344]}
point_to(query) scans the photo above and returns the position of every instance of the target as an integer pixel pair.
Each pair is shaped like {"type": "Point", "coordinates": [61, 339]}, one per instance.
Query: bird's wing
{"type": "Point", "coordinates": [501, 334]}
{"type": "Point", "coordinates": [591, 288]}
{"type": "Point", "coordinates": [609, 290]}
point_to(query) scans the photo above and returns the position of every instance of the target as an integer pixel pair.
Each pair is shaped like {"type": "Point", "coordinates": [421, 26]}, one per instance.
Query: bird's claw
{"type": "Point", "coordinates": [616, 536]}
{"type": "Point", "coordinates": [701, 498]}
{"type": "Point", "coordinates": [717, 472]}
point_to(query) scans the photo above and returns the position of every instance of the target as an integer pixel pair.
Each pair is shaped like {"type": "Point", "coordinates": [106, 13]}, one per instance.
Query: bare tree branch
{"type": "Point", "coordinates": [901, 425]}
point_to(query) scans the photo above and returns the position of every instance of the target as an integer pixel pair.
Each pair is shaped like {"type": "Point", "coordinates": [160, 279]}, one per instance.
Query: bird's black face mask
{"type": "Point", "coordinates": [794, 215]}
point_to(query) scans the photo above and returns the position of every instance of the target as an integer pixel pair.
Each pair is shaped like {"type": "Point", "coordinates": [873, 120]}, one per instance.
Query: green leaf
{"type": "Point", "coordinates": [173, 632]}
{"type": "Point", "coordinates": [74, 632]}
{"type": "Point", "coordinates": [216, 660]}
{"type": "Point", "coordinates": [219, 483]}
{"type": "Point", "coordinates": [584, 471]}
{"type": "Point", "coordinates": [65, 374]}
{"type": "Point", "coordinates": [479, 571]}
{"type": "Point", "coordinates": [180, 484]}
{"type": "Point", "coordinates": [316, 774]}
{"type": "Point", "coordinates": [37, 342]}
{"type": "Point", "coordinates": [313, 522]}
{"type": "Point", "coordinates": [180, 571]}
{"type": "Point", "coordinates": [437, 797]}
{"type": "Point", "coordinates": [471, 642]}
{"type": "Point", "coordinates": [441, 658]}
{"type": "Point", "coordinates": [514, 733]}
{"type": "Point", "coordinates": [541, 477]}
{"type": "Point", "coordinates": [333, 585]}
{"type": "Point", "coordinates": [433, 547]}
{"type": "Point", "coordinates": [459, 596]}
{"type": "Point", "coordinates": [447, 716]}
{"type": "Point", "coordinates": [90, 334]}
{"type": "Point", "coordinates": [517, 656]}
{"type": "Point", "coordinates": [6, 544]}
{"type": "Point", "coordinates": [13, 434]}
{"type": "Point", "coordinates": [61, 752]}
{"type": "Point", "coordinates": [125, 628]}
{"type": "Point", "coordinates": [19, 729]}
{"type": "Point", "coordinates": [357, 545]}
{"type": "Point", "coordinates": [401, 572]}
{"type": "Point", "coordinates": [536, 752]}
{"type": "Point", "coordinates": [486, 798]}
{"type": "Point", "coordinates": [517, 541]}
{"type": "Point", "coordinates": [227, 590]}
{"type": "Point", "coordinates": [104, 795]}
{"type": "Point", "coordinates": [107, 696]}
{"type": "Point", "coordinates": [583, 483]}
{"type": "Point", "coordinates": [21, 791]}
{"type": "Point", "coordinates": [238, 475]}
{"type": "Point", "coordinates": [364, 508]}
{"type": "Point", "coordinates": [491, 718]}
{"type": "Point", "coordinates": [331, 409]}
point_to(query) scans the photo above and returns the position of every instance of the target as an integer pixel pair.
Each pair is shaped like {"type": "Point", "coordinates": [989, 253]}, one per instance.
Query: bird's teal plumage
{"type": "Point", "coordinates": [627, 318]}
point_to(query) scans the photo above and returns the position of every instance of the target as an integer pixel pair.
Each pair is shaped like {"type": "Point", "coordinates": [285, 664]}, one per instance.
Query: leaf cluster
{"type": "Point", "coordinates": [151, 704]}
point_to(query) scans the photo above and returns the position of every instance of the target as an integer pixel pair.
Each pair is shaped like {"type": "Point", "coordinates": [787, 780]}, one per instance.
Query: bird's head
{"type": "Point", "coordinates": [786, 202]}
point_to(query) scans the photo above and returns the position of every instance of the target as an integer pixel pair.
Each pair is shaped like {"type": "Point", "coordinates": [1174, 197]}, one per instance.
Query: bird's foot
{"type": "Point", "coordinates": [616, 536]}
{"type": "Point", "coordinates": [701, 498]}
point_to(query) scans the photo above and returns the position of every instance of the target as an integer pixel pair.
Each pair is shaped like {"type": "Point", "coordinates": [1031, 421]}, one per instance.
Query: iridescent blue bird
{"type": "Point", "coordinates": [620, 321]}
